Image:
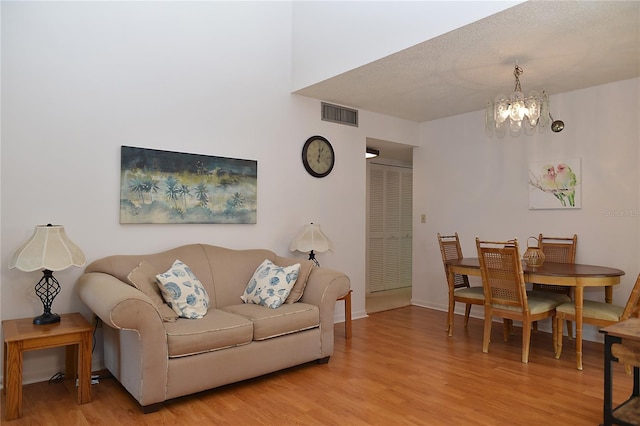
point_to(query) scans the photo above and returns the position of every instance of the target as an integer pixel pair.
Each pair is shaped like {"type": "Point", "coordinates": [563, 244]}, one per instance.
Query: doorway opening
{"type": "Point", "coordinates": [389, 226]}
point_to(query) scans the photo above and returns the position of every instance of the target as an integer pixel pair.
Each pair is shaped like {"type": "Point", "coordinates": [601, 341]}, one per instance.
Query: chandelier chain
{"type": "Point", "coordinates": [517, 72]}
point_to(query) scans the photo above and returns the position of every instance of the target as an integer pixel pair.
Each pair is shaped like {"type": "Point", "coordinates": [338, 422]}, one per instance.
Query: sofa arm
{"type": "Point", "coordinates": [323, 289]}
{"type": "Point", "coordinates": [104, 293]}
{"type": "Point", "coordinates": [124, 307]}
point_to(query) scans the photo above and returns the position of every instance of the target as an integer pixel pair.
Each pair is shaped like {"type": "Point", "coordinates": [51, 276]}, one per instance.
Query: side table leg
{"type": "Point", "coordinates": [347, 315]}
{"type": "Point", "coordinates": [4, 365]}
{"type": "Point", "coordinates": [71, 362]}
{"type": "Point", "coordinates": [84, 368]}
{"type": "Point", "coordinates": [608, 382]}
{"type": "Point", "coordinates": [13, 380]}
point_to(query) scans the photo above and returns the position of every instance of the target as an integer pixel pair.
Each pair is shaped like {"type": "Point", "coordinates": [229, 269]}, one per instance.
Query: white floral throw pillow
{"type": "Point", "coordinates": [183, 292]}
{"type": "Point", "coordinates": [271, 284]}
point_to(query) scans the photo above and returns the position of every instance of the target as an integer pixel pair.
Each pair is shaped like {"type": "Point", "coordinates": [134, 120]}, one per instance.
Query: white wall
{"type": "Point", "coordinates": [468, 183]}
{"type": "Point", "coordinates": [80, 79]}
{"type": "Point", "coordinates": [332, 37]}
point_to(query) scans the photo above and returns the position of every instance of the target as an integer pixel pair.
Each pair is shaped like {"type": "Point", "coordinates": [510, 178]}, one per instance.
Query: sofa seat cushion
{"type": "Point", "coordinates": [288, 318]}
{"type": "Point", "coordinates": [216, 330]}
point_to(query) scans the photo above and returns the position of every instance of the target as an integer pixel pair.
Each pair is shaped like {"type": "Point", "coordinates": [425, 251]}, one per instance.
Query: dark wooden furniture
{"type": "Point", "coordinates": [622, 344]}
{"type": "Point", "coordinates": [575, 275]}
{"type": "Point", "coordinates": [20, 335]}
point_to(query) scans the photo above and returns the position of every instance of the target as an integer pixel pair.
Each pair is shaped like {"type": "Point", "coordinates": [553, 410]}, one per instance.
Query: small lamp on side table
{"type": "Point", "coordinates": [311, 239]}
{"type": "Point", "coordinates": [49, 249]}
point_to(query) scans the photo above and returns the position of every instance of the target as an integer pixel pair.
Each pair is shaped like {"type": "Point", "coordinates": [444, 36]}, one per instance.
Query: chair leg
{"type": "Point", "coordinates": [467, 312]}
{"type": "Point", "coordinates": [570, 329]}
{"type": "Point", "coordinates": [535, 326]}
{"type": "Point", "coordinates": [554, 334]}
{"type": "Point", "coordinates": [510, 325]}
{"type": "Point", "coordinates": [486, 338]}
{"type": "Point", "coordinates": [526, 341]}
{"type": "Point", "coordinates": [506, 328]}
{"type": "Point", "coordinates": [558, 337]}
{"type": "Point", "coordinates": [450, 316]}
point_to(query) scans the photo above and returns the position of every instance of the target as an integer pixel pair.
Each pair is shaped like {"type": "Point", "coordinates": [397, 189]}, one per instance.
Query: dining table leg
{"type": "Point", "coordinates": [608, 294]}
{"type": "Point", "coordinates": [579, 300]}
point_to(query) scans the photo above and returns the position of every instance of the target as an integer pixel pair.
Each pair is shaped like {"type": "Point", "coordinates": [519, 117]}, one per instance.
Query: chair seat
{"type": "Point", "coordinates": [470, 292]}
{"type": "Point", "coordinates": [537, 305]}
{"type": "Point", "coordinates": [559, 297]}
{"type": "Point", "coordinates": [592, 309]}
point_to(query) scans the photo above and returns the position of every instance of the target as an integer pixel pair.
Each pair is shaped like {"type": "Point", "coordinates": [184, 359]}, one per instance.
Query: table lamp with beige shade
{"type": "Point", "coordinates": [310, 240]}
{"type": "Point", "coordinates": [48, 249]}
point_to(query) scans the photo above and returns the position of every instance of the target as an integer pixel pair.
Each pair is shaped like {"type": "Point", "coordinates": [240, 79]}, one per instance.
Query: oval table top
{"type": "Point", "coordinates": [551, 269]}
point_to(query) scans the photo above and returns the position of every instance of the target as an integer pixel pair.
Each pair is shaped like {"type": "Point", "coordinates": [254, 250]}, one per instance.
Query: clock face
{"type": "Point", "coordinates": [317, 156]}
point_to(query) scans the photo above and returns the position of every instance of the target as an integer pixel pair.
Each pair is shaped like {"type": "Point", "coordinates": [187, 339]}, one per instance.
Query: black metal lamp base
{"type": "Point", "coordinates": [47, 289]}
{"type": "Point", "coordinates": [312, 256]}
{"type": "Point", "coordinates": [46, 319]}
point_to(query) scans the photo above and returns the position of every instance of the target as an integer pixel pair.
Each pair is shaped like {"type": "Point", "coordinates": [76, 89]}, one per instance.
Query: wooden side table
{"type": "Point", "coordinates": [622, 344]}
{"type": "Point", "coordinates": [347, 314]}
{"type": "Point", "coordinates": [20, 335]}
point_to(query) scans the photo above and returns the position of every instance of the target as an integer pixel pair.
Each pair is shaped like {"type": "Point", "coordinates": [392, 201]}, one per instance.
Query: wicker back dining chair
{"type": "Point", "coordinates": [599, 314]}
{"type": "Point", "coordinates": [505, 293]}
{"type": "Point", "coordinates": [459, 288]}
{"type": "Point", "coordinates": [557, 250]}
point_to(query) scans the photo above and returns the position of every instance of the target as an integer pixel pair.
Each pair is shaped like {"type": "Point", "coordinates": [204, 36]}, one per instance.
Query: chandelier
{"type": "Point", "coordinates": [518, 111]}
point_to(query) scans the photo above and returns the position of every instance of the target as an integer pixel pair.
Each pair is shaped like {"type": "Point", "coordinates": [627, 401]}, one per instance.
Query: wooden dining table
{"type": "Point", "coordinates": [573, 275]}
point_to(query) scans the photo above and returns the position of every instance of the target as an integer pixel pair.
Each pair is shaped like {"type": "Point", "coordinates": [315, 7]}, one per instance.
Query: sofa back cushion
{"type": "Point", "coordinates": [143, 277]}
{"type": "Point", "coordinates": [306, 267]}
{"type": "Point", "coordinates": [120, 266]}
{"type": "Point", "coordinates": [223, 272]}
{"type": "Point", "coordinates": [231, 271]}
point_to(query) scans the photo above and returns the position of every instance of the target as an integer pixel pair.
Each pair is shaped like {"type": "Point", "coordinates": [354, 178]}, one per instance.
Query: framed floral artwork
{"type": "Point", "coordinates": [555, 184]}
{"type": "Point", "coordinates": [172, 187]}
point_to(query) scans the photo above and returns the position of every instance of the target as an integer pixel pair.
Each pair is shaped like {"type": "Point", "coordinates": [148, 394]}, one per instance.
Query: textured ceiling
{"type": "Point", "coordinates": [561, 46]}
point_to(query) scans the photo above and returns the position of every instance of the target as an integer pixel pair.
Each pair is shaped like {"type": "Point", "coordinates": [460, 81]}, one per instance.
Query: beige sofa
{"type": "Point", "coordinates": [157, 360]}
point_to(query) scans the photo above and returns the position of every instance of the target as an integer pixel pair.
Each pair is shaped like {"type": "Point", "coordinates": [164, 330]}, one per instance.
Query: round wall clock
{"type": "Point", "coordinates": [318, 156]}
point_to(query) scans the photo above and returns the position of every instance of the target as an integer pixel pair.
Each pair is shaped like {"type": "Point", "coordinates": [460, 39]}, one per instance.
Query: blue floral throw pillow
{"type": "Point", "coordinates": [183, 292]}
{"type": "Point", "coordinates": [270, 284]}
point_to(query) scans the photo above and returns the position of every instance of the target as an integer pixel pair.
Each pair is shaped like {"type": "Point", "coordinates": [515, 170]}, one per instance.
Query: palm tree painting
{"type": "Point", "coordinates": [555, 184]}
{"type": "Point", "coordinates": [171, 187]}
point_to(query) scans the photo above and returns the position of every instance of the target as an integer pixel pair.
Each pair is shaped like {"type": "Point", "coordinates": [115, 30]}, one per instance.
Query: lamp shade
{"type": "Point", "coordinates": [48, 248]}
{"type": "Point", "coordinates": [309, 239]}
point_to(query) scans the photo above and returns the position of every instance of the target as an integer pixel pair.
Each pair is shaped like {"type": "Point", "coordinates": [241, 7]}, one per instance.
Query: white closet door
{"type": "Point", "coordinates": [390, 227]}
{"type": "Point", "coordinates": [375, 268]}
{"type": "Point", "coordinates": [406, 228]}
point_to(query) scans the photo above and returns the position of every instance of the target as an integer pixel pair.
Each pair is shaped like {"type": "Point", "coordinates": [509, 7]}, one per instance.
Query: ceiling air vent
{"type": "Point", "coordinates": [338, 114]}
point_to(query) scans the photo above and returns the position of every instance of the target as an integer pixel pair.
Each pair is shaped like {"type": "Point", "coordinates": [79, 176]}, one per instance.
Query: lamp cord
{"type": "Point", "coordinates": [60, 376]}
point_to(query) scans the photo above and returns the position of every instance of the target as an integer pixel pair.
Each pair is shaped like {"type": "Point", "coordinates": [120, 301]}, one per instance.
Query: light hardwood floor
{"type": "Point", "coordinates": [400, 368]}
